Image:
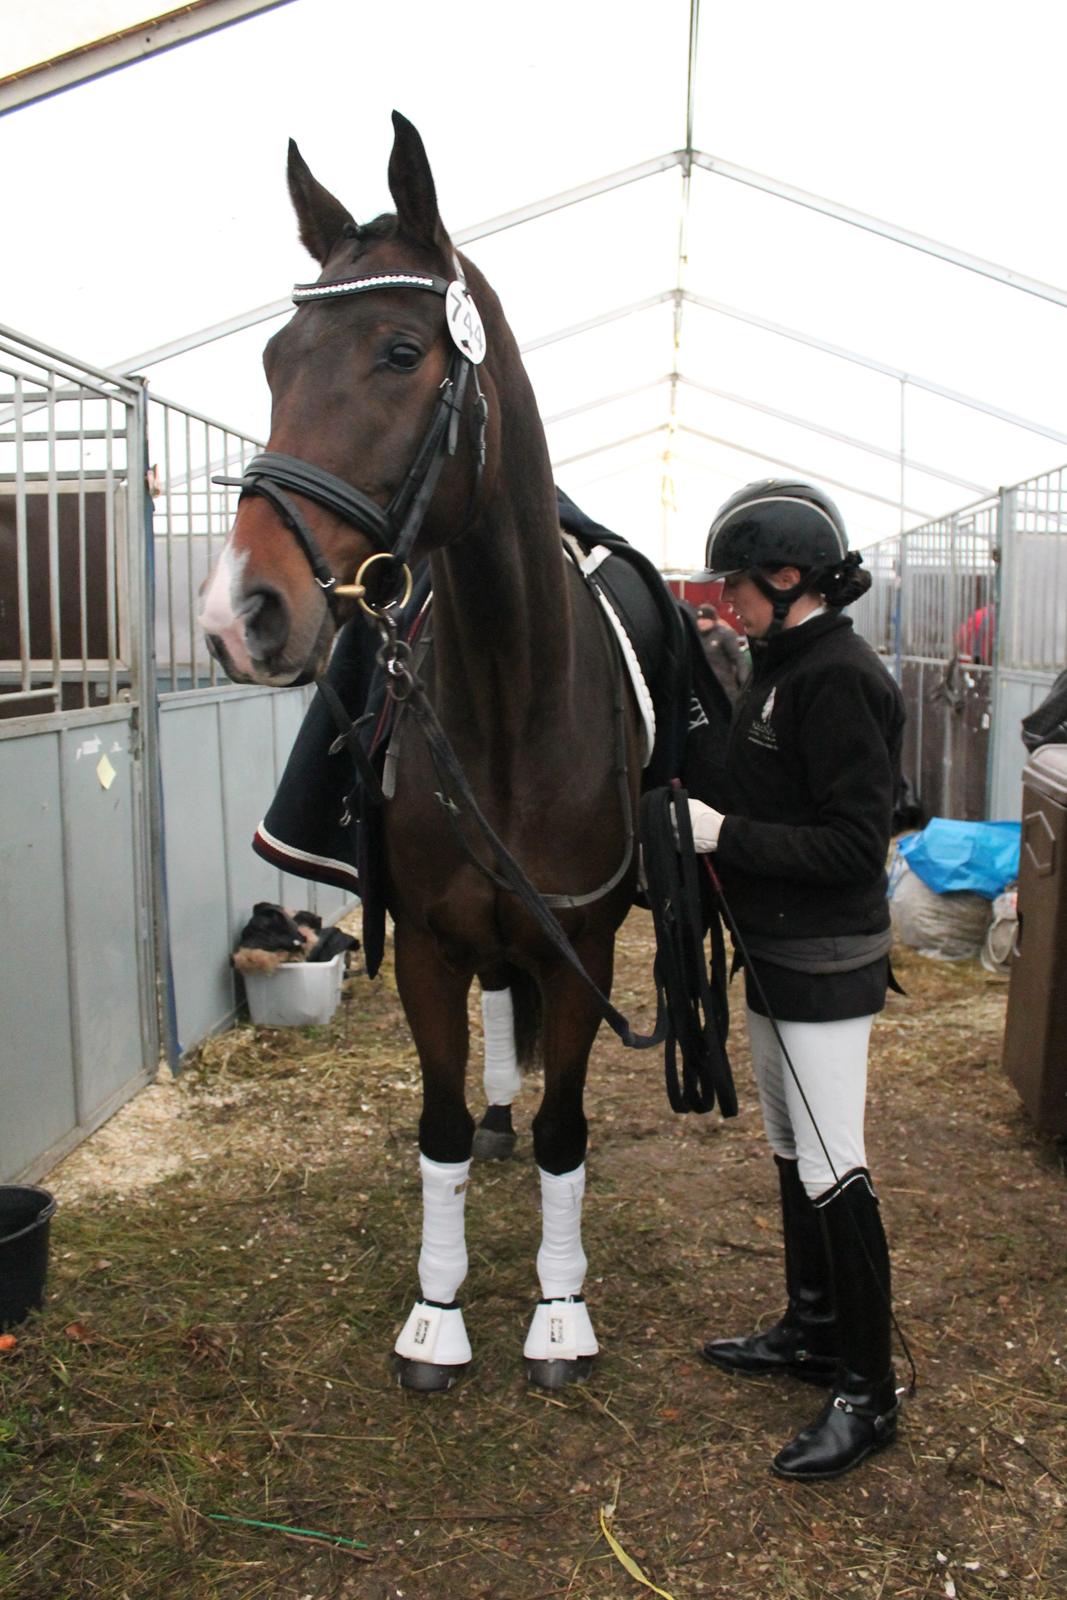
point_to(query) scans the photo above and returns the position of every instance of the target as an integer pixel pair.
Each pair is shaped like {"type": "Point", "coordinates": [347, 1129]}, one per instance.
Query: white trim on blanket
{"type": "Point", "coordinates": [305, 857]}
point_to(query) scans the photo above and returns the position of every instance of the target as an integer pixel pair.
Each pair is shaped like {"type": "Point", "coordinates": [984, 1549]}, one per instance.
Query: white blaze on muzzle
{"type": "Point", "coordinates": [219, 608]}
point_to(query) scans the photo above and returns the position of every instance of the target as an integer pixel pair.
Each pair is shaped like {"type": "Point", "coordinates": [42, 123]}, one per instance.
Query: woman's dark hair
{"type": "Point", "coordinates": [840, 585]}
{"type": "Point", "coordinates": [844, 583]}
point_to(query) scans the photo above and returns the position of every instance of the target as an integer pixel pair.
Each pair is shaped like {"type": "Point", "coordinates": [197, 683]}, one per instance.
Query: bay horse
{"type": "Point", "coordinates": [403, 425]}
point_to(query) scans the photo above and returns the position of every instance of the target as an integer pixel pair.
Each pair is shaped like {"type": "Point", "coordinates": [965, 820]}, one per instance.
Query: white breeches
{"type": "Point", "coordinates": [502, 1077]}
{"type": "Point", "coordinates": [830, 1061]}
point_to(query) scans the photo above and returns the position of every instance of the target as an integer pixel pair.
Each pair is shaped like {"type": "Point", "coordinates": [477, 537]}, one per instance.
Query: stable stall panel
{"type": "Point", "coordinates": [108, 912]}
{"type": "Point", "coordinates": [968, 761]}
{"type": "Point", "coordinates": [37, 1064]}
{"type": "Point", "coordinates": [946, 738]}
{"type": "Point", "coordinates": [1018, 693]}
{"type": "Point", "coordinates": [194, 834]}
{"type": "Point", "coordinates": [221, 755]}
{"type": "Point", "coordinates": [245, 732]}
{"type": "Point", "coordinates": [79, 1031]}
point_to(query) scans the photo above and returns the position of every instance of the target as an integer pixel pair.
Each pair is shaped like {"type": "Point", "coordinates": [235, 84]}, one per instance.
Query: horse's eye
{"type": "Point", "coordinates": [404, 357]}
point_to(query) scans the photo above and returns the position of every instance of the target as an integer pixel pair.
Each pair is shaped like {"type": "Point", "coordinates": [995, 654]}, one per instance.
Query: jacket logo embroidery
{"type": "Point", "coordinates": [762, 731]}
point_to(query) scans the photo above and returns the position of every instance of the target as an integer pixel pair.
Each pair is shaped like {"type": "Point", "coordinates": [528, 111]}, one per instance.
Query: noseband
{"type": "Point", "coordinates": [394, 528]}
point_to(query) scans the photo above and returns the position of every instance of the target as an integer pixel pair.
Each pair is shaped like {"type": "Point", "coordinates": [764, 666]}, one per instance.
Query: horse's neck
{"type": "Point", "coordinates": [503, 620]}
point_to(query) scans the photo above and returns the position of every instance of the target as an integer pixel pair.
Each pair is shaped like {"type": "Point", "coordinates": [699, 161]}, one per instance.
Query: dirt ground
{"type": "Point", "coordinates": [234, 1253]}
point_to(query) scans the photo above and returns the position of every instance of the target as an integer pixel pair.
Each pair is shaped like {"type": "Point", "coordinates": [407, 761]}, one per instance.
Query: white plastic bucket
{"type": "Point", "coordinates": [295, 994]}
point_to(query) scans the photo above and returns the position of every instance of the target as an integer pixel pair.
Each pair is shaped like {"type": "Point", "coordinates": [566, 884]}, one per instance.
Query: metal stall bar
{"type": "Point", "coordinates": [53, 537]}
{"type": "Point", "coordinates": [83, 582]}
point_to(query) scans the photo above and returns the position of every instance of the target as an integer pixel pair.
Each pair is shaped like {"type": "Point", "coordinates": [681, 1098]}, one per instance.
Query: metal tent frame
{"type": "Point", "coordinates": [193, 21]}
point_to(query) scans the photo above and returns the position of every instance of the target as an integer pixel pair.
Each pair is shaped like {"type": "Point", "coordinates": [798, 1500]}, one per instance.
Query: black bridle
{"type": "Point", "coordinates": [392, 529]}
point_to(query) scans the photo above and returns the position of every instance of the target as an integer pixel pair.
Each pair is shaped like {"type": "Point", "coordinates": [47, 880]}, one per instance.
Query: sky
{"type": "Point", "coordinates": [152, 203]}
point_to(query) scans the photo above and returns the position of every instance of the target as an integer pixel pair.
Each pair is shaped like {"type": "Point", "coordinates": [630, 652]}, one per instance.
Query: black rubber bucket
{"type": "Point", "coordinates": [25, 1219]}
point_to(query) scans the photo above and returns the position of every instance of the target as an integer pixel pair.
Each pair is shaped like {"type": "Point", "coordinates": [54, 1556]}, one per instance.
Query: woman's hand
{"type": "Point", "coordinates": [705, 823]}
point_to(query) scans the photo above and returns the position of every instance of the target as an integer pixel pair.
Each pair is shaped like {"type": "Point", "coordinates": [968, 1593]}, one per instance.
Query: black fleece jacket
{"type": "Point", "coordinates": [813, 768]}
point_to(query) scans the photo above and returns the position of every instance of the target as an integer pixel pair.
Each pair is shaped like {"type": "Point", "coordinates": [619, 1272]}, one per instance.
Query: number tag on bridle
{"type": "Point", "coordinates": [464, 323]}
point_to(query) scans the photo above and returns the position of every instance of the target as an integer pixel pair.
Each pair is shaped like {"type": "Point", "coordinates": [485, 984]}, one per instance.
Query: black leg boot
{"type": "Point", "coordinates": [861, 1414]}
{"type": "Point", "coordinates": [803, 1342]}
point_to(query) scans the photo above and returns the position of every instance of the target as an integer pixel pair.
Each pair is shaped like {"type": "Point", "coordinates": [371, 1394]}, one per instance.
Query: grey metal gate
{"type": "Point", "coordinates": [77, 984]}
{"type": "Point", "coordinates": [131, 777]}
{"type": "Point", "coordinates": [970, 613]}
{"type": "Point", "coordinates": [1031, 622]}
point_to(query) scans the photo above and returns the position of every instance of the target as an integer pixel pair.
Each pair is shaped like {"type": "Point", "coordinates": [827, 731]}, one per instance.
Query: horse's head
{"type": "Point", "coordinates": [377, 426]}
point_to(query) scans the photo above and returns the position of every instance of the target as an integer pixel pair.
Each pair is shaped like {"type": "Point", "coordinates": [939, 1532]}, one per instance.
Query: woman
{"type": "Point", "coordinates": [812, 773]}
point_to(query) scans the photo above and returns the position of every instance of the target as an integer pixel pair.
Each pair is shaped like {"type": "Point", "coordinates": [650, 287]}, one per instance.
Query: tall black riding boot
{"type": "Point", "coordinates": [861, 1414]}
{"type": "Point", "coordinates": [803, 1342]}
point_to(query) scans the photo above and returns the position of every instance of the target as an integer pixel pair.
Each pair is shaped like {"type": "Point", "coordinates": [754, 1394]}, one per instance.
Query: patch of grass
{"type": "Point", "coordinates": [216, 1343]}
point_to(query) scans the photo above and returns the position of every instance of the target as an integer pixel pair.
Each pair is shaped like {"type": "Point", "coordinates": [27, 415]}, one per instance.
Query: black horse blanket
{"type": "Point", "coordinates": [321, 823]}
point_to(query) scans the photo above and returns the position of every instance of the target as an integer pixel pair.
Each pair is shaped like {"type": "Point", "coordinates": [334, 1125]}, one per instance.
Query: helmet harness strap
{"type": "Point", "coordinates": [782, 599]}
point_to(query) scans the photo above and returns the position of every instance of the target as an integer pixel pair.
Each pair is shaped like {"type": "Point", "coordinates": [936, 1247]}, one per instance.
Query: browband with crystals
{"type": "Point", "coordinates": [383, 280]}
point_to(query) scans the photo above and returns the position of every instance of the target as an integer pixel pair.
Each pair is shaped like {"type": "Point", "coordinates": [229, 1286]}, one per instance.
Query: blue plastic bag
{"type": "Point", "coordinates": [949, 855]}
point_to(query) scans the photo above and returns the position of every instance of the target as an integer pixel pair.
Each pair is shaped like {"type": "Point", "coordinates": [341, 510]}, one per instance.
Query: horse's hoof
{"type": "Point", "coordinates": [491, 1145]}
{"type": "Point", "coordinates": [559, 1374]}
{"type": "Point", "coordinates": [426, 1377]}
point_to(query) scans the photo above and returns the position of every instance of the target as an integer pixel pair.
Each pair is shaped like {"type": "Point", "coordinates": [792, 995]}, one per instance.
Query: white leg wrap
{"type": "Point", "coordinates": [443, 1259]}
{"type": "Point", "coordinates": [502, 1078]}
{"type": "Point", "coordinates": [433, 1333]}
{"type": "Point", "coordinates": [561, 1330]}
{"type": "Point", "coordinates": [561, 1260]}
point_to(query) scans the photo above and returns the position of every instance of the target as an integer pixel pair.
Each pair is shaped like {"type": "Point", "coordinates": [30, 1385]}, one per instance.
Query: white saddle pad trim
{"type": "Point", "coordinates": [588, 564]}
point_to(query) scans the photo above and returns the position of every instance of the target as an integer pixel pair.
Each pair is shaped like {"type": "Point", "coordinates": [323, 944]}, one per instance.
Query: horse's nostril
{"type": "Point", "coordinates": [267, 622]}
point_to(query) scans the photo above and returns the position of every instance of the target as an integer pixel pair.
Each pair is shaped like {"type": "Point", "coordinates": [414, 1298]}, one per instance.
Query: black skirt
{"type": "Point", "coordinates": [817, 996]}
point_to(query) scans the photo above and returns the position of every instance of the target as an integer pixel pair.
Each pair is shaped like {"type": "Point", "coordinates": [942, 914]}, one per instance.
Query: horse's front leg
{"type": "Point", "coordinates": [432, 1350]}
{"type": "Point", "coordinates": [561, 1344]}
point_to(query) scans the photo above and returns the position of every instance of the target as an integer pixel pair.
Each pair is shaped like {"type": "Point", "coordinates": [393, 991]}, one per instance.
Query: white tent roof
{"type": "Point", "coordinates": [150, 203]}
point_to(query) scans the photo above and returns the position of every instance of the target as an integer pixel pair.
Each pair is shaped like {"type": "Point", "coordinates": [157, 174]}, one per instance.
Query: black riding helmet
{"type": "Point", "coordinates": [776, 522]}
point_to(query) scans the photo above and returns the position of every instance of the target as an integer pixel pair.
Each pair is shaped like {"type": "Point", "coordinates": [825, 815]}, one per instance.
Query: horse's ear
{"type": "Point", "coordinates": [322, 219]}
{"type": "Point", "coordinates": [411, 186]}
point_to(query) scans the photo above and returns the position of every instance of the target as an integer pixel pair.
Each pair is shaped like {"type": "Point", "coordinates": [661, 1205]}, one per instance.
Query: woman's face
{"type": "Point", "coordinates": [753, 607]}
{"type": "Point", "coordinates": [750, 603]}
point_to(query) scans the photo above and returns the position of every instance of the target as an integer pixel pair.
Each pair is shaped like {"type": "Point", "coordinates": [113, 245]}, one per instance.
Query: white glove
{"type": "Point", "coordinates": [705, 823]}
